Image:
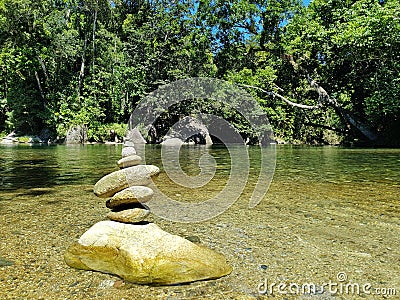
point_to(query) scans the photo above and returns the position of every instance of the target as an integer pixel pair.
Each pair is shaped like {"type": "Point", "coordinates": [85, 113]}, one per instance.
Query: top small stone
{"type": "Point", "coordinates": [128, 151]}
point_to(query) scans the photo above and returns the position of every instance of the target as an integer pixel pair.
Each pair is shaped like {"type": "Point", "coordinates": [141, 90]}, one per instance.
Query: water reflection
{"type": "Point", "coordinates": [339, 165]}
{"type": "Point", "coordinates": [49, 166]}
{"type": "Point", "coordinates": [46, 166]}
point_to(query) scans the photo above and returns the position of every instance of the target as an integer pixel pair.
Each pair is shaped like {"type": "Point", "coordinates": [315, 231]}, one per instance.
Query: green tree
{"type": "Point", "coordinates": [22, 39]}
{"type": "Point", "coordinates": [351, 48]}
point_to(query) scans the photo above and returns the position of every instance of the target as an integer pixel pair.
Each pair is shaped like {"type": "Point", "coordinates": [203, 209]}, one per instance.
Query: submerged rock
{"type": "Point", "coordinates": [119, 180]}
{"type": "Point", "coordinates": [129, 161]}
{"type": "Point", "coordinates": [172, 142]}
{"type": "Point", "coordinates": [5, 262]}
{"type": "Point", "coordinates": [144, 254]}
{"type": "Point", "coordinates": [133, 215]}
{"type": "Point", "coordinates": [131, 195]}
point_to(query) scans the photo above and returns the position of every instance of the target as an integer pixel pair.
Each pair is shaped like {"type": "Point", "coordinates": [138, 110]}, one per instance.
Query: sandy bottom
{"type": "Point", "coordinates": [297, 235]}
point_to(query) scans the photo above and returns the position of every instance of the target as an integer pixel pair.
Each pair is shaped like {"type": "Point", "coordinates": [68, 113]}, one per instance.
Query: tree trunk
{"type": "Point", "coordinates": [41, 89]}
{"type": "Point", "coordinates": [345, 116]}
{"type": "Point", "coordinates": [324, 97]}
{"type": "Point", "coordinates": [43, 67]}
{"type": "Point", "coordinates": [94, 37]}
{"type": "Point", "coordinates": [82, 71]}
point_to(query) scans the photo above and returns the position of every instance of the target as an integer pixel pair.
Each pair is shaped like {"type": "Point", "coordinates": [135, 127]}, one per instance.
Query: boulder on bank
{"type": "Point", "coordinates": [77, 135]}
{"type": "Point", "coordinates": [13, 138]}
{"type": "Point", "coordinates": [172, 142]}
{"type": "Point", "coordinates": [189, 130]}
{"type": "Point", "coordinates": [9, 139]}
{"type": "Point", "coordinates": [135, 136]}
{"type": "Point", "coordinates": [144, 254]}
{"type": "Point", "coordinates": [116, 181]}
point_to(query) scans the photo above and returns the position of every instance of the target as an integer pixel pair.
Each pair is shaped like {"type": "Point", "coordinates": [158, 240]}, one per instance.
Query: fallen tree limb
{"type": "Point", "coordinates": [346, 117]}
{"type": "Point", "coordinates": [311, 107]}
{"type": "Point", "coordinates": [324, 97]}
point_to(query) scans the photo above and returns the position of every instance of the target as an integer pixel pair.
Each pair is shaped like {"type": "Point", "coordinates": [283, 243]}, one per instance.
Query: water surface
{"type": "Point", "coordinates": [328, 210]}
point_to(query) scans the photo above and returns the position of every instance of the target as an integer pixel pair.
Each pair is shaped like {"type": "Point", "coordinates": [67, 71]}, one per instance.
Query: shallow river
{"type": "Point", "coordinates": [330, 218]}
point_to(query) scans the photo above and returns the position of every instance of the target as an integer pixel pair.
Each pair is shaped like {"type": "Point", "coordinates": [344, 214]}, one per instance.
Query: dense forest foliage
{"type": "Point", "coordinates": [324, 73]}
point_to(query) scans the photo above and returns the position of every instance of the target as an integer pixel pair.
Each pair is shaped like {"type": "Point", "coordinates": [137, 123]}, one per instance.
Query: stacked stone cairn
{"type": "Point", "coordinates": [128, 205]}
{"type": "Point", "coordinates": [139, 251]}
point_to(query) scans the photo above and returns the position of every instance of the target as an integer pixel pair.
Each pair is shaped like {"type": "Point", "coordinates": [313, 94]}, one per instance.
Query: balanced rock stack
{"type": "Point", "coordinates": [135, 250]}
{"type": "Point", "coordinates": [127, 188]}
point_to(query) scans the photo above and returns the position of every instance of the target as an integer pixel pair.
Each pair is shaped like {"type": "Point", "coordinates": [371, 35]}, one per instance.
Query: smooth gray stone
{"type": "Point", "coordinates": [133, 215]}
{"type": "Point", "coordinates": [129, 161]}
{"type": "Point", "coordinates": [131, 195]}
{"type": "Point", "coordinates": [116, 181]}
{"type": "Point", "coordinates": [128, 151]}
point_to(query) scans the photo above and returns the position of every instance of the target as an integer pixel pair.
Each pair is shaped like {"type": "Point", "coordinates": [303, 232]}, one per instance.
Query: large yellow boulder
{"type": "Point", "coordinates": [144, 254]}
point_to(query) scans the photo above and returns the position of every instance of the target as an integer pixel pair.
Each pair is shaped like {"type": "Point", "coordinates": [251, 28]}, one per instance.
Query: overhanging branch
{"type": "Point", "coordinates": [311, 107]}
{"type": "Point", "coordinates": [346, 116]}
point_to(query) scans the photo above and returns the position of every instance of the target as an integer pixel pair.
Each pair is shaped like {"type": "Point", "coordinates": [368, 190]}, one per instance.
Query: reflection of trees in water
{"type": "Point", "coordinates": [23, 168]}
{"type": "Point", "coordinates": [42, 167]}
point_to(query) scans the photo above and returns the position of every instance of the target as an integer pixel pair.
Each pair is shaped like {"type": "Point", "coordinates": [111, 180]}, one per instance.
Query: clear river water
{"type": "Point", "coordinates": [331, 215]}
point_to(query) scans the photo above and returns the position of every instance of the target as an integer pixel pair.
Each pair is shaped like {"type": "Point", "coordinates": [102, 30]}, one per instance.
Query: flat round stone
{"type": "Point", "coordinates": [129, 161]}
{"type": "Point", "coordinates": [128, 151]}
{"type": "Point", "coordinates": [119, 180]}
{"type": "Point", "coordinates": [134, 215]}
{"type": "Point", "coordinates": [131, 195]}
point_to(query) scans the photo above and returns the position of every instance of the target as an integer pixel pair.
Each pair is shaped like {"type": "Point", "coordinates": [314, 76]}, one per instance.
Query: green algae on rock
{"type": "Point", "coordinates": [144, 254]}
{"type": "Point", "coordinates": [5, 262]}
{"type": "Point", "coordinates": [119, 180]}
